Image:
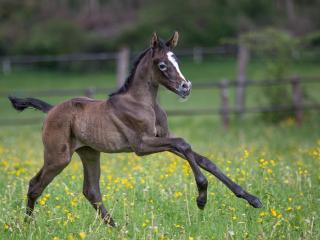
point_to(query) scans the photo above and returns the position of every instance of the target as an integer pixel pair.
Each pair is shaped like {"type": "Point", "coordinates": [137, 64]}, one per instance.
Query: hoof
{"type": "Point", "coordinates": [201, 203]}
{"type": "Point", "coordinates": [110, 222]}
{"type": "Point", "coordinates": [255, 202]}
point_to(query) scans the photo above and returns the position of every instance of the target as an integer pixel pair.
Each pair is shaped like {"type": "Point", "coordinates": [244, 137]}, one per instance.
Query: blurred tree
{"type": "Point", "coordinates": [204, 22]}
{"type": "Point", "coordinates": [106, 24]}
{"type": "Point", "coordinates": [53, 37]}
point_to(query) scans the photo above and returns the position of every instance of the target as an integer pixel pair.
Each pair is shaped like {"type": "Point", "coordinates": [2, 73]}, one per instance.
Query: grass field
{"type": "Point", "coordinates": [154, 197]}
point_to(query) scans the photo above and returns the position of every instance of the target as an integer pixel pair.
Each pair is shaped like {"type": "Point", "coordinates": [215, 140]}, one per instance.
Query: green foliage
{"type": "Point", "coordinates": [42, 27]}
{"type": "Point", "coordinates": [34, 28]}
{"type": "Point", "coordinates": [202, 23]}
{"type": "Point", "coordinates": [276, 48]}
{"type": "Point", "coordinates": [53, 37]}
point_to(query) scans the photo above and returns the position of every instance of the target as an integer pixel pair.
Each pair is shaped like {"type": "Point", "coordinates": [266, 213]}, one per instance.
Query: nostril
{"type": "Point", "coordinates": [184, 86]}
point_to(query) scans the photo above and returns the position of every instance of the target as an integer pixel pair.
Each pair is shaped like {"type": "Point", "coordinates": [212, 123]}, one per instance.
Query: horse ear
{"type": "Point", "coordinates": [173, 41]}
{"type": "Point", "coordinates": [154, 41]}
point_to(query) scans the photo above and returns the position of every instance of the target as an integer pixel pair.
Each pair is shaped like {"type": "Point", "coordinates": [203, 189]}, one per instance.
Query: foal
{"type": "Point", "coordinates": [131, 120]}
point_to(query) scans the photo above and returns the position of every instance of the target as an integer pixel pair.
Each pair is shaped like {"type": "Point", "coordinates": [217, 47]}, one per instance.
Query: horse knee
{"type": "Point", "coordinates": [182, 145]}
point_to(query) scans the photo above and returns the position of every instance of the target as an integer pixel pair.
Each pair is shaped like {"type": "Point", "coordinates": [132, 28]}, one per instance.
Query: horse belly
{"type": "Point", "coordinates": [101, 136]}
{"type": "Point", "coordinates": [113, 142]}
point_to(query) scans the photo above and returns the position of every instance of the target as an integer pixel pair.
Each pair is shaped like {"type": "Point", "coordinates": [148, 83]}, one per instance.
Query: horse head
{"type": "Point", "coordinates": [166, 67]}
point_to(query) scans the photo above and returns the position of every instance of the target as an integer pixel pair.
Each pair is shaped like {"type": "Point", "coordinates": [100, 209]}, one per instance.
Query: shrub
{"type": "Point", "coordinates": [277, 49]}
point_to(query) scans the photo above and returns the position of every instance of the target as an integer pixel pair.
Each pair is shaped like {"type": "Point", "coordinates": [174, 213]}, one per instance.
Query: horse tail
{"type": "Point", "coordinates": [21, 104]}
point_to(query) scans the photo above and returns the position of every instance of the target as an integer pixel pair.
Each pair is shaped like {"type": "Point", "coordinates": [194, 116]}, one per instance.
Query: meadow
{"type": "Point", "coordinates": [153, 197]}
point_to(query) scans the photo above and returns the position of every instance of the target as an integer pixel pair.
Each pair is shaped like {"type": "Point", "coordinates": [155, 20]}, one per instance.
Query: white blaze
{"type": "Point", "coordinates": [175, 64]}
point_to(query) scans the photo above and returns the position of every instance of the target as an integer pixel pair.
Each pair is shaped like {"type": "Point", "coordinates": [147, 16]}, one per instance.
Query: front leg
{"type": "Point", "coordinates": [209, 166]}
{"type": "Point", "coordinates": [149, 145]}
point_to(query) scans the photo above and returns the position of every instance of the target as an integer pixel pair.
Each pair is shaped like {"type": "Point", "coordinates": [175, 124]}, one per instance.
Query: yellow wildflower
{"type": "Point", "coordinates": [177, 194]}
{"type": "Point", "coordinates": [269, 170]}
{"type": "Point", "coordinates": [70, 237]}
{"type": "Point", "coordinates": [273, 212]}
{"type": "Point", "coordinates": [6, 226]}
{"type": "Point", "coordinates": [82, 235]}
{"type": "Point", "coordinates": [74, 202]}
{"type": "Point", "coordinates": [263, 214]}
{"type": "Point", "coordinates": [289, 209]}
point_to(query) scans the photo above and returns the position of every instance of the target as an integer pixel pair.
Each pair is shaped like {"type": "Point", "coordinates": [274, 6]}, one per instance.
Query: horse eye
{"type": "Point", "coordinates": [162, 66]}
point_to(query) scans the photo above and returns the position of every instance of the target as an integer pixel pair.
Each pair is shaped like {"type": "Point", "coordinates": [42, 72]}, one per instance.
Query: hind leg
{"type": "Point", "coordinates": [91, 189]}
{"type": "Point", "coordinates": [32, 183]}
{"type": "Point", "coordinates": [55, 161]}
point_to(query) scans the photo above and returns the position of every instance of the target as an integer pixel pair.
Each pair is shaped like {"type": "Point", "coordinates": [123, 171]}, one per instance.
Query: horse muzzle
{"type": "Point", "coordinates": [184, 88]}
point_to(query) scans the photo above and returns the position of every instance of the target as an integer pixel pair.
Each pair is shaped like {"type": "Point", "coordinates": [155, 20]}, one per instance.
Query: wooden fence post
{"type": "Point", "coordinates": [6, 66]}
{"type": "Point", "coordinates": [197, 54]}
{"type": "Point", "coordinates": [122, 65]}
{"type": "Point", "coordinates": [89, 92]}
{"type": "Point", "coordinates": [297, 98]}
{"type": "Point", "coordinates": [224, 110]}
{"type": "Point", "coordinates": [243, 59]}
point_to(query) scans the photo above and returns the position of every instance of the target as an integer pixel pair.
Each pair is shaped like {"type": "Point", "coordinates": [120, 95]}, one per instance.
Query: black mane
{"type": "Point", "coordinates": [124, 88]}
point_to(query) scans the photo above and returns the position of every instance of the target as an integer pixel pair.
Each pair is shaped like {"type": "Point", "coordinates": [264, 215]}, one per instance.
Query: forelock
{"type": "Point", "coordinates": [163, 46]}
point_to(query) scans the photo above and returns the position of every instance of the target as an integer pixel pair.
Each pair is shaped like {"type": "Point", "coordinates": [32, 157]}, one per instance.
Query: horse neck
{"type": "Point", "coordinates": [143, 88]}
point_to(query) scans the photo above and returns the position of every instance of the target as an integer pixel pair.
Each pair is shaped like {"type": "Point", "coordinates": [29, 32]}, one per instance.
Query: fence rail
{"type": "Point", "coordinates": [195, 52]}
{"type": "Point", "coordinates": [121, 58]}
{"type": "Point", "coordinates": [224, 110]}
{"type": "Point", "coordinates": [201, 85]}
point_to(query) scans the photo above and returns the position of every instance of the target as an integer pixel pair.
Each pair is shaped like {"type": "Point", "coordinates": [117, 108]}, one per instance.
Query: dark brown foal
{"type": "Point", "coordinates": [131, 120]}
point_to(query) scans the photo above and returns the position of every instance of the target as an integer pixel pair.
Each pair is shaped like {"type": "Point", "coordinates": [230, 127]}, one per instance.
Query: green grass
{"type": "Point", "coordinates": [154, 197]}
